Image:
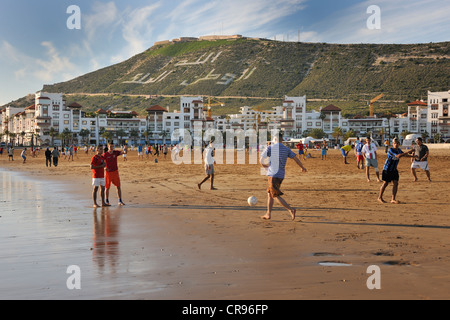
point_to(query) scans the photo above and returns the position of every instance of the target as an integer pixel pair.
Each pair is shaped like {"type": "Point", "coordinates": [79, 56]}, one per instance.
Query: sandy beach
{"type": "Point", "coordinates": [174, 241]}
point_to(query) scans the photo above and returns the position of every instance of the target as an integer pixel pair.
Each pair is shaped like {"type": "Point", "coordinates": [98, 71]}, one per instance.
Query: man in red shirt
{"type": "Point", "coordinates": [98, 165]}
{"type": "Point", "coordinates": [112, 172]}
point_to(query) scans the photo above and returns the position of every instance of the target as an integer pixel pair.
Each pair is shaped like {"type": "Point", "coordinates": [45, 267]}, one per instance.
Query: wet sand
{"type": "Point", "coordinates": [173, 241]}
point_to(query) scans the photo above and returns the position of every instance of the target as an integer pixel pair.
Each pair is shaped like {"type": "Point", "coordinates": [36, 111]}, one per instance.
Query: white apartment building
{"type": "Point", "coordinates": [438, 115]}
{"type": "Point", "coordinates": [50, 115]}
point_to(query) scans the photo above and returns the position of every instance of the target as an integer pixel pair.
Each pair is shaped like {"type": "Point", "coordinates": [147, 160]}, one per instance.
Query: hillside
{"type": "Point", "coordinates": [346, 75]}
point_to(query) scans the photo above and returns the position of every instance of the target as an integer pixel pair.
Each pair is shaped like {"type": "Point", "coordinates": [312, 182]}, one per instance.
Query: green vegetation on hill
{"type": "Point", "coordinates": [265, 71]}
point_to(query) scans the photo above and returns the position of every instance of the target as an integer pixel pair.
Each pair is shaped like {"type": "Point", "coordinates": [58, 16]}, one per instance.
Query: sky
{"type": "Point", "coordinates": [42, 42]}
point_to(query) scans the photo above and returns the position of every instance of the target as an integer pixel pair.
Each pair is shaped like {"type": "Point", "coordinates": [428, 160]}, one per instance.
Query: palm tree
{"type": "Point", "coordinates": [12, 136]}
{"type": "Point", "coordinates": [66, 135]}
{"type": "Point", "coordinates": [134, 134]}
{"type": "Point", "coordinates": [107, 135]}
{"type": "Point", "coordinates": [84, 133]}
{"type": "Point", "coordinates": [338, 133]}
{"type": "Point", "coordinates": [6, 132]}
{"type": "Point", "coordinates": [322, 117]}
{"type": "Point", "coordinates": [148, 133]}
{"type": "Point", "coordinates": [53, 133]}
{"type": "Point", "coordinates": [23, 134]}
{"type": "Point", "coordinates": [164, 134]}
{"type": "Point", "coordinates": [120, 134]}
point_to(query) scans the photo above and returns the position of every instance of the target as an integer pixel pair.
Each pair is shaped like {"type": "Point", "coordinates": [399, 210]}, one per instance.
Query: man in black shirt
{"type": "Point", "coordinates": [48, 157]}
{"type": "Point", "coordinates": [420, 156]}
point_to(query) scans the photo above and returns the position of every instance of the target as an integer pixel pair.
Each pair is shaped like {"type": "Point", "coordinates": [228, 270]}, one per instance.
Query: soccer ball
{"type": "Point", "coordinates": [252, 201]}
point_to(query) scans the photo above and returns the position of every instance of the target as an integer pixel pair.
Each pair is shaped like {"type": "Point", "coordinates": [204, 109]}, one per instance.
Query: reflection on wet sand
{"type": "Point", "coordinates": [105, 250]}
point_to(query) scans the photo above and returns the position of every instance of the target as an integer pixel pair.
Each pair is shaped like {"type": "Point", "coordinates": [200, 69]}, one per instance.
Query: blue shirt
{"type": "Point", "coordinates": [277, 154]}
{"type": "Point", "coordinates": [359, 147]}
{"type": "Point", "coordinates": [391, 161]}
{"type": "Point", "coordinates": [140, 149]}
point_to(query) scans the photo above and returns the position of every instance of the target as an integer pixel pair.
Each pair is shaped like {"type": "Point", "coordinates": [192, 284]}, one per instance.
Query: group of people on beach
{"type": "Point", "coordinates": [105, 172]}
{"type": "Point", "coordinates": [278, 154]}
{"type": "Point", "coordinates": [366, 155]}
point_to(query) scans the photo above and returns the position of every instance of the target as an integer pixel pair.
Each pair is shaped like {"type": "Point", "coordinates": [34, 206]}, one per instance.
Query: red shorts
{"type": "Point", "coordinates": [112, 177]}
{"type": "Point", "coordinates": [359, 158]}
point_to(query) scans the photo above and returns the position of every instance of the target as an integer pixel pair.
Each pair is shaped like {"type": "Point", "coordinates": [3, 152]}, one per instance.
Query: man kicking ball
{"type": "Point", "coordinates": [277, 154]}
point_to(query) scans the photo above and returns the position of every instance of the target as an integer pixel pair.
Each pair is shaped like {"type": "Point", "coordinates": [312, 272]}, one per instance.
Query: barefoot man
{"type": "Point", "coordinates": [390, 172]}
{"type": "Point", "coordinates": [277, 154]}
{"type": "Point", "coordinates": [369, 152]}
{"type": "Point", "coordinates": [420, 153]}
{"type": "Point", "coordinates": [112, 172]}
{"type": "Point", "coordinates": [209, 166]}
{"type": "Point", "coordinates": [98, 165]}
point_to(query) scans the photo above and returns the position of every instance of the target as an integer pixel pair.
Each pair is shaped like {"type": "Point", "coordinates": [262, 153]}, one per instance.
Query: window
{"type": "Point", "coordinates": [66, 121]}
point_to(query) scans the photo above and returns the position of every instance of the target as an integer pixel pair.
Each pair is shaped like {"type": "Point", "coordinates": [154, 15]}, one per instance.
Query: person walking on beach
{"type": "Point", "coordinates": [165, 150]}
{"type": "Point", "coordinates": [98, 165]}
{"type": "Point", "coordinates": [420, 154]}
{"type": "Point", "coordinates": [70, 151]}
{"type": "Point", "coordinates": [112, 172]}
{"type": "Point", "coordinates": [390, 172]}
{"type": "Point", "coordinates": [24, 155]}
{"type": "Point", "coordinates": [277, 154]}
{"type": "Point", "coordinates": [125, 152]}
{"type": "Point", "coordinates": [369, 152]}
{"type": "Point", "coordinates": [48, 158]}
{"type": "Point", "coordinates": [358, 153]}
{"type": "Point", "coordinates": [55, 156]}
{"type": "Point", "coordinates": [10, 154]}
{"type": "Point", "coordinates": [208, 156]}
{"type": "Point", "coordinates": [140, 155]}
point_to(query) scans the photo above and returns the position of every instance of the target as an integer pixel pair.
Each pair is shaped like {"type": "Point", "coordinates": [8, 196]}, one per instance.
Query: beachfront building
{"type": "Point", "coordinates": [398, 124]}
{"type": "Point", "coordinates": [418, 117]}
{"type": "Point", "coordinates": [331, 118]}
{"type": "Point", "coordinates": [9, 124]}
{"type": "Point", "coordinates": [438, 114]}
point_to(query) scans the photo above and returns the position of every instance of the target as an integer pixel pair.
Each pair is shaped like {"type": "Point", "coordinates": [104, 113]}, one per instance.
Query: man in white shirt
{"type": "Point", "coordinates": [369, 152]}
{"type": "Point", "coordinates": [209, 166]}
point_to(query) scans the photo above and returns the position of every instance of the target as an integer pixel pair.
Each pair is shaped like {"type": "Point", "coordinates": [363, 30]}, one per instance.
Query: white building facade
{"type": "Point", "coordinates": [50, 117]}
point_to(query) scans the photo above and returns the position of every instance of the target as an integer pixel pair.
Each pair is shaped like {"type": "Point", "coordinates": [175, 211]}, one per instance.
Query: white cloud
{"type": "Point", "coordinates": [24, 66]}
{"type": "Point", "coordinates": [104, 19]}
{"type": "Point", "coordinates": [137, 30]}
{"type": "Point", "coordinates": [402, 21]}
{"type": "Point", "coordinates": [197, 18]}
